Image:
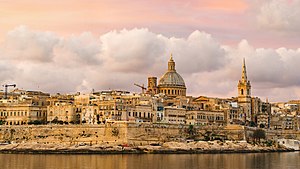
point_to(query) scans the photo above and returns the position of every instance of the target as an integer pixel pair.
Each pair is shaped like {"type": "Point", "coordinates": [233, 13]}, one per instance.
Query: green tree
{"type": "Point", "coordinates": [2, 122]}
{"type": "Point", "coordinates": [252, 124]}
{"type": "Point", "coordinates": [191, 131]}
{"type": "Point", "coordinates": [36, 122]}
{"type": "Point", "coordinates": [262, 125]}
{"type": "Point", "coordinates": [55, 120]}
{"type": "Point", "coordinates": [259, 134]}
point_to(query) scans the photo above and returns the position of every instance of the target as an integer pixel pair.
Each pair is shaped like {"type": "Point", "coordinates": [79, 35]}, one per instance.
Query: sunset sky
{"type": "Point", "coordinates": [79, 45]}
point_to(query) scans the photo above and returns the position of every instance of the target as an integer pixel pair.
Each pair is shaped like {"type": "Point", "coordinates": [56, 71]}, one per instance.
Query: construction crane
{"type": "Point", "coordinates": [6, 86]}
{"type": "Point", "coordinates": [141, 86]}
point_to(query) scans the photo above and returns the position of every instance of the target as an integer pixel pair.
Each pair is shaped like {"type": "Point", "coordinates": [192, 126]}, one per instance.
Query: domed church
{"type": "Point", "coordinates": [171, 83]}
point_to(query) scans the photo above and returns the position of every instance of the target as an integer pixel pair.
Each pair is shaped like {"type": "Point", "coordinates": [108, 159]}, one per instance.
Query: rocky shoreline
{"type": "Point", "coordinates": [210, 147]}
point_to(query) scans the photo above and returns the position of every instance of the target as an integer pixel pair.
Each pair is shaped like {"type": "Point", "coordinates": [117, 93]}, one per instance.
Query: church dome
{"type": "Point", "coordinates": [171, 78]}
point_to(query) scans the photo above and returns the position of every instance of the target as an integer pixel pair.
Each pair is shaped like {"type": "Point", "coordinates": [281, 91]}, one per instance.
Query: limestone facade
{"type": "Point", "coordinates": [206, 118]}
{"type": "Point", "coordinates": [140, 113]}
{"type": "Point", "coordinates": [61, 109]}
{"type": "Point", "coordinates": [23, 107]}
{"type": "Point", "coordinates": [174, 115]}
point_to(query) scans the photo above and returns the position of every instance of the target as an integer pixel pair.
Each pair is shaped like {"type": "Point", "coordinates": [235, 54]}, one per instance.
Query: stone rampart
{"type": "Point", "coordinates": [64, 134]}
{"type": "Point", "coordinates": [115, 132]}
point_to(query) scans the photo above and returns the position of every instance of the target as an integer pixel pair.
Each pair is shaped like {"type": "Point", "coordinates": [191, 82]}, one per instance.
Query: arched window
{"type": "Point", "coordinates": [242, 91]}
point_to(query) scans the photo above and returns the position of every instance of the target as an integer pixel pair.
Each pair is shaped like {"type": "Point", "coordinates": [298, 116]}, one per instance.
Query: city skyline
{"type": "Point", "coordinates": [63, 47]}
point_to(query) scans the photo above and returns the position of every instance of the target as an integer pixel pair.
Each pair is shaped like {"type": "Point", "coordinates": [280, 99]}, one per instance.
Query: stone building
{"type": "Point", "coordinates": [174, 115]}
{"type": "Point", "coordinates": [206, 118]}
{"type": "Point", "coordinates": [89, 114]}
{"type": "Point", "coordinates": [61, 109]}
{"type": "Point", "coordinates": [140, 113]}
{"type": "Point", "coordinates": [260, 112]}
{"type": "Point", "coordinates": [24, 107]}
{"type": "Point", "coordinates": [171, 83]}
{"type": "Point", "coordinates": [61, 112]}
{"type": "Point", "coordinates": [235, 114]}
{"type": "Point", "coordinates": [116, 105]}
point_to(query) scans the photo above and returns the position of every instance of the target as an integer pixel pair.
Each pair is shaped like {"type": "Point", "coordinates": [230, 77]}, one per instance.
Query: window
{"type": "Point", "coordinates": [242, 91]}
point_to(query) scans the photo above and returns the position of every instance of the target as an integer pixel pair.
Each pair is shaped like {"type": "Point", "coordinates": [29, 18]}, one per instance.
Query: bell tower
{"type": "Point", "coordinates": [244, 93]}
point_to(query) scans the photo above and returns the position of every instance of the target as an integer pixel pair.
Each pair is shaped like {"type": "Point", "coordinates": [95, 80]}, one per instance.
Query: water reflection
{"type": "Point", "coordinates": [151, 161]}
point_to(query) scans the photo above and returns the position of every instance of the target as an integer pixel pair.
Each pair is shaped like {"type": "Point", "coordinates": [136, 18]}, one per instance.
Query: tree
{"type": "Point", "coordinates": [191, 131]}
{"type": "Point", "coordinates": [259, 134]}
{"type": "Point", "coordinates": [261, 126]}
{"type": "Point", "coordinates": [2, 122]}
{"type": "Point", "coordinates": [36, 122]}
{"type": "Point", "coordinates": [252, 124]}
{"type": "Point", "coordinates": [55, 120]}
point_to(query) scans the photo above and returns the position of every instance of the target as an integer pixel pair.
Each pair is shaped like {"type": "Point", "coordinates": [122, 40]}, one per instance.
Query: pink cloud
{"type": "Point", "coordinates": [229, 21]}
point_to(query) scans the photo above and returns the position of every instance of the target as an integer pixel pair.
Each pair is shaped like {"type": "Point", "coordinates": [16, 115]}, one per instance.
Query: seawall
{"type": "Point", "coordinates": [118, 132]}
{"type": "Point", "coordinates": [134, 134]}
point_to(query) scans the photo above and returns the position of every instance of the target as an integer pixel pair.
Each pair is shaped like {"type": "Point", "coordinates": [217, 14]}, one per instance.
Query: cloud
{"type": "Point", "coordinates": [131, 50]}
{"type": "Point", "coordinates": [118, 59]}
{"type": "Point", "coordinates": [22, 44]}
{"type": "Point", "coordinates": [83, 49]}
{"type": "Point", "coordinates": [199, 52]}
{"type": "Point", "coordinates": [280, 15]}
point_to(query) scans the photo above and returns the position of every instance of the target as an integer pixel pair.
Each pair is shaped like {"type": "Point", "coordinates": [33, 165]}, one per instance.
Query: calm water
{"type": "Point", "coordinates": [152, 161]}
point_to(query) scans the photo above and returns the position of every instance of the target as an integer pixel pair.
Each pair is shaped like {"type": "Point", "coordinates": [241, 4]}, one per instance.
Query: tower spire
{"type": "Point", "coordinates": [244, 72]}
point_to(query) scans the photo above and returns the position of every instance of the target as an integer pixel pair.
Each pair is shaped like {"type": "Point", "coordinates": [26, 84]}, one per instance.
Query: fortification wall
{"type": "Point", "coordinates": [118, 133]}
{"type": "Point", "coordinates": [65, 134]}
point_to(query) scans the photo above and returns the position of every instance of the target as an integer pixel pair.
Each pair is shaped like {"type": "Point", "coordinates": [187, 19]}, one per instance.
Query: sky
{"type": "Point", "coordinates": [66, 46]}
